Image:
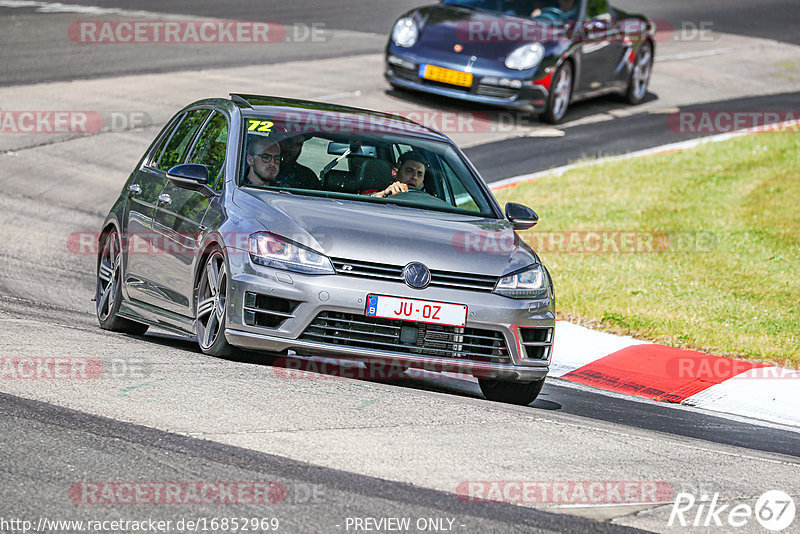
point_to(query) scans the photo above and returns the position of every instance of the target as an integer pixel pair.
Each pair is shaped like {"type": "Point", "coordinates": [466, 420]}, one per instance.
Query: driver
{"type": "Point", "coordinates": [263, 162]}
{"type": "Point", "coordinates": [409, 174]}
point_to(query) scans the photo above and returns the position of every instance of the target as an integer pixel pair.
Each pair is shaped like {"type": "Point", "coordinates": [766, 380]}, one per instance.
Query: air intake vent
{"type": "Point", "coordinates": [266, 311]}
{"type": "Point", "coordinates": [536, 342]}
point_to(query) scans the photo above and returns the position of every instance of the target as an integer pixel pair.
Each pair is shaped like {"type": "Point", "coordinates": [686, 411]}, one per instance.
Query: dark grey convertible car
{"type": "Point", "coordinates": [284, 225]}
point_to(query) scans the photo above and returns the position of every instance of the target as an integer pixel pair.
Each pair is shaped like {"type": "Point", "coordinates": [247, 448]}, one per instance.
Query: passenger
{"type": "Point", "coordinates": [263, 161]}
{"type": "Point", "coordinates": [409, 174]}
{"type": "Point", "coordinates": [293, 174]}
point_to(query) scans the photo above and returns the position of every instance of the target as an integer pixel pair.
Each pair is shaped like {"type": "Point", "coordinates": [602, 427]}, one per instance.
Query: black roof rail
{"type": "Point", "coordinates": [239, 99]}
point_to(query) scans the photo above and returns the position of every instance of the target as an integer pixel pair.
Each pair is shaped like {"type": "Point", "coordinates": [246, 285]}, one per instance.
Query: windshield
{"type": "Point", "coordinates": [544, 10]}
{"type": "Point", "coordinates": [364, 164]}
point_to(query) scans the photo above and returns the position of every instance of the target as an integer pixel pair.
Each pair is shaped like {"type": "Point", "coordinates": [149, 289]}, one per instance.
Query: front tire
{"type": "Point", "coordinates": [640, 75]}
{"type": "Point", "coordinates": [108, 291]}
{"type": "Point", "coordinates": [560, 95]}
{"type": "Point", "coordinates": [211, 298]}
{"type": "Point", "coordinates": [511, 392]}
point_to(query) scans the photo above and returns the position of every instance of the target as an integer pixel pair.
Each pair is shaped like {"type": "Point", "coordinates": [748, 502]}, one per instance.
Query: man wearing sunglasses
{"type": "Point", "coordinates": [263, 162]}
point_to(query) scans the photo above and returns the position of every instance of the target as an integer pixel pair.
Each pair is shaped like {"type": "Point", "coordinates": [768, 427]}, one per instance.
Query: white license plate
{"type": "Point", "coordinates": [422, 311]}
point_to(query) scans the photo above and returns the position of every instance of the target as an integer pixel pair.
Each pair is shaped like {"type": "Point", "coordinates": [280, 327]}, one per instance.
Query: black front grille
{"type": "Point", "coordinates": [263, 310]}
{"type": "Point", "coordinates": [495, 91]}
{"type": "Point", "coordinates": [536, 341]}
{"type": "Point", "coordinates": [394, 273]}
{"type": "Point", "coordinates": [406, 74]}
{"type": "Point", "coordinates": [446, 85]}
{"type": "Point", "coordinates": [408, 337]}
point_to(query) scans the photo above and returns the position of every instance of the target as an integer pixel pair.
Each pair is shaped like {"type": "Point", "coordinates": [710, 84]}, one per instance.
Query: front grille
{"type": "Point", "coordinates": [394, 273]}
{"type": "Point", "coordinates": [446, 85]}
{"type": "Point", "coordinates": [406, 74]}
{"type": "Point", "coordinates": [536, 341]}
{"type": "Point", "coordinates": [495, 91]}
{"type": "Point", "coordinates": [266, 311]}
{"type": "Point", "coordinates": [408, 337]}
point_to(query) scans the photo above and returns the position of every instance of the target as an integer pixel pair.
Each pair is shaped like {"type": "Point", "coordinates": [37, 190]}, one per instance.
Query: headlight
{"type": "Point", "coordinates": [274, 251]}
{"type": "Point", "coordinates": [529, 283]}
{"type": "Point", "coordinates": [405, 32]}
{"type": "Point", "coordinates": [525, 57]}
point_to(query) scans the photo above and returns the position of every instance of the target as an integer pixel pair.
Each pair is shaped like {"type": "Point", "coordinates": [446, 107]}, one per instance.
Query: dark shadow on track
{"type": "Point", "coordinates": [555, 396]}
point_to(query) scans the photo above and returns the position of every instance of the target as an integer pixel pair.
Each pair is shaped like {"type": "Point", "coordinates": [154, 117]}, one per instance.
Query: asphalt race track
{"type": "Point", "coordinates": [334, 451]}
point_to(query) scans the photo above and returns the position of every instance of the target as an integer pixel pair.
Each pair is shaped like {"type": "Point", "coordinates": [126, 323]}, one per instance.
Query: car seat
{"type": "Point", "coordinates": [374, 175]}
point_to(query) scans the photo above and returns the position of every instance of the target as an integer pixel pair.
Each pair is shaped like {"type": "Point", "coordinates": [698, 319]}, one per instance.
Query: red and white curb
{"type": "Point", "coordinates": [658, 372]}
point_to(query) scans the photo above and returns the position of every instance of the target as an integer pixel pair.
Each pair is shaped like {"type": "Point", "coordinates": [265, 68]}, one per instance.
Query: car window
{"type": "Point", "coordinates": [360, 164]}
{"type": "Point", "coordinates": [596, 9]}
{"type": "Point", "coordinates": [209, 150]}
{"type": "Point", "coordinates": [164, 138]}
{"type": "Point", "coordinates": [175, 150]}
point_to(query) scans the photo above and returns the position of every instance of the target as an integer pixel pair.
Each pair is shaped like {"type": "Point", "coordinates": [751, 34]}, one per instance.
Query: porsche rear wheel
{"type": "Point", "coordinates": [211, 299]}
{"type": "Point", "coordinates": [108, 292]}
{"type": "Point", "coordinates": [511, 392]}
{"type": "Point", "coordinates": [560, 95]}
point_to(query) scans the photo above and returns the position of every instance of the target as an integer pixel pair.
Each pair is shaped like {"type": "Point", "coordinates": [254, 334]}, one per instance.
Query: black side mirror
{"type": "Point", "coordinates": [191, 176]}
{"type": "Point", "coordinates": [521, 217]}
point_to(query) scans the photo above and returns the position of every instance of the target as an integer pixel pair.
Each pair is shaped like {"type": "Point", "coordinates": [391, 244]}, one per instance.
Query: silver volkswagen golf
{"type": "Point", "coordinates": [282, 225]}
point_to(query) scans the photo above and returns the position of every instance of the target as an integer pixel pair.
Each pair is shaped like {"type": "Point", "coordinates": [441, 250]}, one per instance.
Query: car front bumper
{"type": "Point", "coordinates": [341, 294]}
{"type": "Point", "coordinates": [529, 97]}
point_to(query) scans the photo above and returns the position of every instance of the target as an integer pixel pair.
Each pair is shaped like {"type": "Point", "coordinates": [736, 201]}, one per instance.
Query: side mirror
{"type": "Point", "coordinates": [521, 217]}
{"type": "Point", "coordinates": [191, 176]}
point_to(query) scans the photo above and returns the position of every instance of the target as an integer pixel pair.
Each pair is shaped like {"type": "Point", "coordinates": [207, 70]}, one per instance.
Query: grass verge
{"type": "Point", "coordinates": [697, 249]}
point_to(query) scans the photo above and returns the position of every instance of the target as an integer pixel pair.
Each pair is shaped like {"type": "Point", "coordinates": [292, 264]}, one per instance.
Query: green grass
{"type": "Point", "coordinates": [728, 280]}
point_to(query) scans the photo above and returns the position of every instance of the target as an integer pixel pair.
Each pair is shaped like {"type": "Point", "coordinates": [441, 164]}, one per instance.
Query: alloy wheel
{"type": "Point", "coordinates": [211, 301]}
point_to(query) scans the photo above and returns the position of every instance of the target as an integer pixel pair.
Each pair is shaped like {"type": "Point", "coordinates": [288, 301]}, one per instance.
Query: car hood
{"type": "Point", "coordinates": [390, 234]}
{"type": "Point", "coordinates": [482, 34]}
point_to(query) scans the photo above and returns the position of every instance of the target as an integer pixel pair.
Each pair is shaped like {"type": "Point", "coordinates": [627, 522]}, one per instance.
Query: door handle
{"type": "Point", "coordinates": [135, 189]}
{"type": "Point", "coordinates": [164, 198]}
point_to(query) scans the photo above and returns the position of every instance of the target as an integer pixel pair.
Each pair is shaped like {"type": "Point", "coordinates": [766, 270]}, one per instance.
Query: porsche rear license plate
{"type": "Point", "coordinates": [421, 311]}
{"type": "Point", "coordinates": [449, 76]}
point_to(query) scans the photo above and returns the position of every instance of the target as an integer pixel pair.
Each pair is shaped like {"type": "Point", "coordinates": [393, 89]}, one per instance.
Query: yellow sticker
{"type": "Point", "coordinates": [260, 126]}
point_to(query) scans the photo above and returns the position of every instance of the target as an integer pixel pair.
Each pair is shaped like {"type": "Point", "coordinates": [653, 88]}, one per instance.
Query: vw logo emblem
{"type": "Point", "coordinates": [416, 275]}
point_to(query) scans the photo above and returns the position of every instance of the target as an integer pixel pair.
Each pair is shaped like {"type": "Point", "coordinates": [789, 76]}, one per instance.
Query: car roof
{"type": "Point", "coordinates": [290, 107]}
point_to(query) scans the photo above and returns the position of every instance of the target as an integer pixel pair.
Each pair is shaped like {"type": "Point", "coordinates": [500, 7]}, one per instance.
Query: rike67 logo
{"type": "Point", "coordinates": [774, 511]}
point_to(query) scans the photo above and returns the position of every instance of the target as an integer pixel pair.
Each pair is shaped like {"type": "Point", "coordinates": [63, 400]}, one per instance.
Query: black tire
{"type": "Point", "coordinates": [211, 298]}
{"type": "Point", "coordinates": [639, 80]}
{"type": "Point", "coordinates": [511, 392]}
{"type": "Point", "coordinates": [108, 290]}
{"type": "Point", "coordinates": [560, 94]}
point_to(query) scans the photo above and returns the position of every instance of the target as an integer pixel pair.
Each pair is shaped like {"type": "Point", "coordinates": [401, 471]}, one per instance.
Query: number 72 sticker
{"type": "Point", "coordinates": [260, 126]}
